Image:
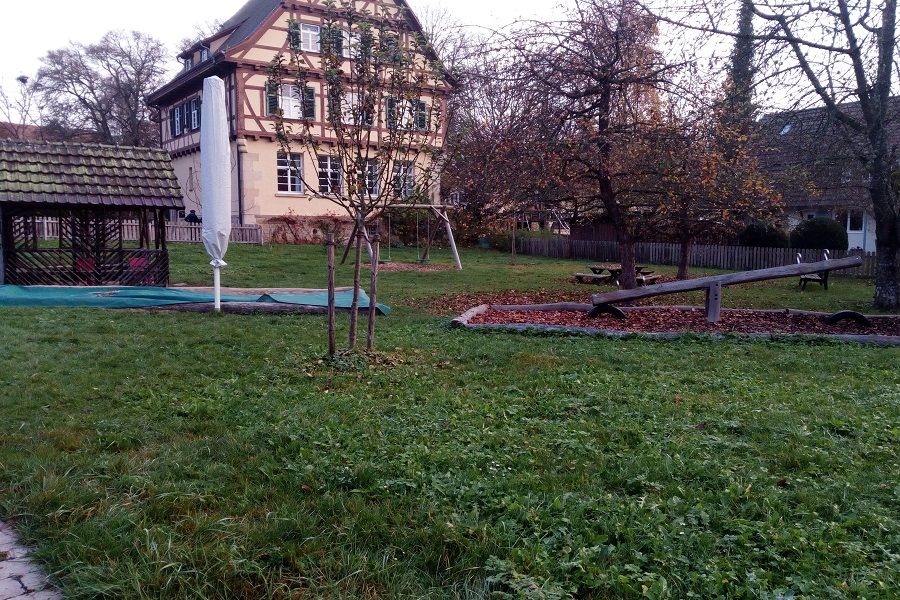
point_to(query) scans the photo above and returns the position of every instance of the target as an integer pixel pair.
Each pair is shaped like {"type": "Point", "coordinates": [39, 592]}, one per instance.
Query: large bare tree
{"type": "Point", "coordinates": [844, 53]}
{"type": "Point", "coordinates": [100, 88]}
{"type": "Point", "coordinates": [601, 62]}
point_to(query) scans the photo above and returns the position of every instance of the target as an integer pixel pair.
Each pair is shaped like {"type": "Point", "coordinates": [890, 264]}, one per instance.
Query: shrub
{"type": "Point", "coordinates": [760, 234]}
{"type": "Point", "coordinates": [820, 233]}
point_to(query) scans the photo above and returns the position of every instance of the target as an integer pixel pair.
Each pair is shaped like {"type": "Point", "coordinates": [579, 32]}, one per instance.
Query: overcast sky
{"type": "Point", "coordinates": [26, 36]}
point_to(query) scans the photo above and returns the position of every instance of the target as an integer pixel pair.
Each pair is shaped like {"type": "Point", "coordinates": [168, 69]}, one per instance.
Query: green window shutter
{"type": "Point", "coordinates": [421, 115]}
{"type": "Point", "coordinates": [332, 40]}
{"type": "Point", "coordinates": [294, 36]}
{"type": "Point", "coordinates": [309, 103]}
{"type": "Point", "coordinates": [272, 100]}
{"type": "Point", "coordinates": [392, 113]}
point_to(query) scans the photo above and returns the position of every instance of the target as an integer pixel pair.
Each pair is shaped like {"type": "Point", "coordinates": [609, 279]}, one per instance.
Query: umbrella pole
{"type": "Point", "coordinates": [217, 288]}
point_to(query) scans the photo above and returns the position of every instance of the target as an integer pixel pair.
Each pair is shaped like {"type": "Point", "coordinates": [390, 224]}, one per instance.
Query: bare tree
{"type": "Point", "coordinates": [19, 111]}
{"type": "Point", "coordinates": [845, 51]}
{"type": "Point", "coordinates": [100, 88]}
{"type": "Point", "coordinates": [380, 143]}
{"type": "Point", "coordinates": [202, 31]}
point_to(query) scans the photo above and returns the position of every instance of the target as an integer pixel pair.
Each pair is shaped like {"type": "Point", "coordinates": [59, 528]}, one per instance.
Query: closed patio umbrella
{"type": "Point", "coordinates": [215, 179]}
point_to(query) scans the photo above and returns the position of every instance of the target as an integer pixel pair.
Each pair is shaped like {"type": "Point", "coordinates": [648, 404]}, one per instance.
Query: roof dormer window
{"type": "Point", "coordinates": [204, 54]}
{"type": "Point", "coordinates": [189, 63]}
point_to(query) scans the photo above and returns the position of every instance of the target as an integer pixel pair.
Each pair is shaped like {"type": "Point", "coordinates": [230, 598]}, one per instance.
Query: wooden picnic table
{"type": "Point", "coordinates": [616, 270]}
{"type": "Point", "coordinates": [644, 275]}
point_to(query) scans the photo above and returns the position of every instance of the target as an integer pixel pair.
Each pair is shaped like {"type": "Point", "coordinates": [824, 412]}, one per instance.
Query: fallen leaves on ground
{"type": "Point", "coordinates": [673, 320]}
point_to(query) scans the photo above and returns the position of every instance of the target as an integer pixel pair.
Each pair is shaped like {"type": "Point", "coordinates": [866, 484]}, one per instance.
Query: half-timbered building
{"type": "Point", "coordinates": [241, 52]}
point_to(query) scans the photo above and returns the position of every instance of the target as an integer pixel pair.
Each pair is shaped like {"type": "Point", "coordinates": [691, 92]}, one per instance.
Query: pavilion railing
{"type": "Point", "coordinates": [48, 229]}
{"type": "Point", "coordinates": [68, 267]}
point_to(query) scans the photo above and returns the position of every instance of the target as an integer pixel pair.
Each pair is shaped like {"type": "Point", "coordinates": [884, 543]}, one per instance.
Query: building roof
{"type": "Point", "coordinates": [87, 174]}
{"type": "Point", "coordinates": [809, 151]}
{"type": "Point", "coordinates": [239, 28]}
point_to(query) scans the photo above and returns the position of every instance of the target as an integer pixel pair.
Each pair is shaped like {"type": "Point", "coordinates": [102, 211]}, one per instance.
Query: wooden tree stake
{"type": "Point", "coordinates": [332, 337]}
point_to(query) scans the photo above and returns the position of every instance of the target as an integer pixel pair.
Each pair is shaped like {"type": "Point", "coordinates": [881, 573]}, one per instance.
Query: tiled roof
{"type": "Point", "coordinates": [241, 27]}
{"type": "Point", "coordinates": [66, 173]}
{"type": "Point", "coordinates": [805, 148]}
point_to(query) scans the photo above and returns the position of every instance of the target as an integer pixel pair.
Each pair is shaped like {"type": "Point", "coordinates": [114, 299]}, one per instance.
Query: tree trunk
{"type": "Point", "coordinates": [887, 246]}
{"type": "Point", "coordinates": [628, 279]}
{"type": "Point", "coordinates": [354, 306]}
{"type": "Point", "coordinates": [684, 260]}
{"type": "Point", "coordinates": [887, 233]}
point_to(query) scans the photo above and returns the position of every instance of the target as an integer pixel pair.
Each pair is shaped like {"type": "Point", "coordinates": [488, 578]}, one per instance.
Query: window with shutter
{"type": "Point", "coordinates": [272, 100]}
{"type": "Point", "coordinates": [404, 179]}
{"type": "Point", "coordinates": [371, 174]}
{"type": "Point", "coordinates": [294, 35]}
{"type": "Point", "coordinates": [310, 40]}
{"type": "Point", "coordinates": [391, 110]}
{"type": "Point", "coordinates": [421, 115]}
{"type": "Point", "coordinates": [195, 114]}
{"type": "Point", "coordinates": [332, 40]}
{"type": "Point", "coordinates": [309, 103]}
{"type": "Point", "coordinates": [185, 117]}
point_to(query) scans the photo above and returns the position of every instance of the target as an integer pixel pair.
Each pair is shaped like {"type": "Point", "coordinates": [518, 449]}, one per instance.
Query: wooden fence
{"type": "Point", "coordinates": [48, 229]}
{"type": "Point", "coordinates": [729, 258]}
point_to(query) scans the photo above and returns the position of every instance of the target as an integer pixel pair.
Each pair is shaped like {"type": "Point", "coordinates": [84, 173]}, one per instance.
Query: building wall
{"type": "Point", "coordinates": [862, 240]}
{"type": "Point", "coordinates": [254, 130]}
{"type": "Point", "coordinates": [188, 169]}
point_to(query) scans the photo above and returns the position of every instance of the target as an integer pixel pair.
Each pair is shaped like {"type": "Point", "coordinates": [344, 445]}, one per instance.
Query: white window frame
{"type": "Point", "coordinates": [405, 170]}
{"type": "Point", "coordinates": [195, 114]}
{"type": "Point", "coordinates": [371, 175]}
{"type": "Point", "coordinates": [178, 129]}
{"type": "Point", "coordinates": [310, 38]}
{"type": "Point", "coordinates": [189, 63]}
{"type": "Point", "coordinates": [290, 100]}
{"type": "Point", "coordinates": [290, 169]}
{"type": "Point", "coordinates": [204, 54]}
{"type": "Point", "coordinates": [333, 166]}
{"type": "Point", "coordinates": [862, 220]}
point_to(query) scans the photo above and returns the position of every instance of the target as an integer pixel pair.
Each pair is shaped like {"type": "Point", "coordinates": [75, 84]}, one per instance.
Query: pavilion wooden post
{"type": "Point", "coordinates": [373, 291]}
{"type": "Point", "coordinates": [332, 336]}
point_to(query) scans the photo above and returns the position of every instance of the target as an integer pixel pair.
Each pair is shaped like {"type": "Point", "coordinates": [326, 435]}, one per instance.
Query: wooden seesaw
{"type": "Point", "coordinates": [604, 303]}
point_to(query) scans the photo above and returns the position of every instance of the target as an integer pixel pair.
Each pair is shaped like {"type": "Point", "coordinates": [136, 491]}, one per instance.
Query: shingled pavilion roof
{"type": "Point", "coordinates": [87, 174]}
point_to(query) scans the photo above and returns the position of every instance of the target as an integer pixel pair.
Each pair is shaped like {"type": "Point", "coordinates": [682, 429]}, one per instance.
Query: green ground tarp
{"type": "Point", "coordinates": [148, 297]}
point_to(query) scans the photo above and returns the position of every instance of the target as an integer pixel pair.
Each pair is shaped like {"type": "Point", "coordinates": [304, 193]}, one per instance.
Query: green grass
{"type": "Point", "coordinates": [195, 456]}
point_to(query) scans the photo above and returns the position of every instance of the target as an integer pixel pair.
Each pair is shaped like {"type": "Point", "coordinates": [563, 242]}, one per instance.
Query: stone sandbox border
{"type": "Point", "coordinates": [463, 321]}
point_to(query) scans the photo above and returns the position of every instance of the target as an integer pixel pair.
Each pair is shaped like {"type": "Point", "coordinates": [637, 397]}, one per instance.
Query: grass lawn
{"type": "Point", "coordinates": [195, 456]}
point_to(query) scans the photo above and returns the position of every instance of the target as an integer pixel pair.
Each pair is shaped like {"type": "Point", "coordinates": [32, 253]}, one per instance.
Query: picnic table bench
{"type": "Point", "coordinates": [612, 272]}
{"type": "Point", "coordinates": [605, 303]}
{"type": "Point", "coordinates": [820, 278]}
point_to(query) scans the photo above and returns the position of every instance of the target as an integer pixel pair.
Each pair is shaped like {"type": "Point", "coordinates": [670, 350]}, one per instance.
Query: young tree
{"type": "Point", "coordinates": [846, 53]}
{"type": "Point", "coordinates": [380, 143]}
{"type": "Point", "coordinates": [602, 64]}
{"type": "Point", "coordinates": [101, 88]}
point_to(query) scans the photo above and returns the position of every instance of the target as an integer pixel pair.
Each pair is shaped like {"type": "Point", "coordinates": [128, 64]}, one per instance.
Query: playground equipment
{"type": "Point", "coordinates": [604, 303]}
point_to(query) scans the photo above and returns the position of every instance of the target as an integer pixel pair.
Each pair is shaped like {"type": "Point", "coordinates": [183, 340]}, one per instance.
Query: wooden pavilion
{"type": "Point", "coordinates": [88, 192]}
